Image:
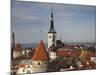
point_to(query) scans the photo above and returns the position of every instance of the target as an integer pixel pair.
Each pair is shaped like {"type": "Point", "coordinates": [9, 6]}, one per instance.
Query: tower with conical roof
{"type": "Point", "coordinates": [52, 33]}
{"type": "Point", "coordinates": [40, 59]}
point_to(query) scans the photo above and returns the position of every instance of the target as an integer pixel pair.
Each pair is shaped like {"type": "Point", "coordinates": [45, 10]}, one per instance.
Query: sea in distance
{"type": "Point", "coordinates": [34, 45]}
{"type": "Point", "coordinates": [30, 45]}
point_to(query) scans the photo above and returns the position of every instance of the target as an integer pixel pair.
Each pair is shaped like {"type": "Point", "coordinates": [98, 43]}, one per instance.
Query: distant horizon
{"type": "Point", "coordinates": [34, 45]}
{"type": "Point", "coordinates": [73, 23]}
{"type": "Point", "coordinates": [63, 42]}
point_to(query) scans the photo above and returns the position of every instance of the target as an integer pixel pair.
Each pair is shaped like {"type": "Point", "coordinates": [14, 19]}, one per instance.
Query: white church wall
{"type": "Point", "coordinates": [50, 37]}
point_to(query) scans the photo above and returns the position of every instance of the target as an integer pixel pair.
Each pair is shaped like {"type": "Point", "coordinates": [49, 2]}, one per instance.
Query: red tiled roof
{"type": "Point", "coordinates": [64, 53]}
{"type": "Point", "coordinates": [41, 53]}
{"type": "Point", "coordinates": [22, 65]}
{"type": "Point", "coordinates": [18, 47]}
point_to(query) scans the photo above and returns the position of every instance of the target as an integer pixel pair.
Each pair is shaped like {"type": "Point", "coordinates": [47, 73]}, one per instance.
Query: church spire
{"type": "Point", "coordinates": [52, 30]}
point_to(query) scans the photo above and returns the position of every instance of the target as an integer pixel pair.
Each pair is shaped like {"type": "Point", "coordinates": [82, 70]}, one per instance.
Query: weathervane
{"type": "Point", "coordinates": [41, 34]}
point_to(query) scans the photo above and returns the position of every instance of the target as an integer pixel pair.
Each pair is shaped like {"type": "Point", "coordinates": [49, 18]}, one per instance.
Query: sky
{"type": "Point", "coordinates": [73, 23]}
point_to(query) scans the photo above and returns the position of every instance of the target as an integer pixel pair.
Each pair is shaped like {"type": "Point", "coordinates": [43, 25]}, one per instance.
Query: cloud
{"type": "Point", "coordinates": [72, 22]}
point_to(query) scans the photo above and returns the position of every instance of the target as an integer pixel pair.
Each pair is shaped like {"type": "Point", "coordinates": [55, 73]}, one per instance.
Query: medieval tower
{"type": "Point", "coordinates": [40, 59]}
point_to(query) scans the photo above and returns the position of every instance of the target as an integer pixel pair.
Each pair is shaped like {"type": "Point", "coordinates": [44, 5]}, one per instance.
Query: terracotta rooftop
{"type": "Point", "coordinates": [64, 53]}
{"type": "Point", "coordinates": [22, 65]}
{"type": "Point", "coordinates": [18, 47]}
{"type": "Point", "coordinates": [41, 53]}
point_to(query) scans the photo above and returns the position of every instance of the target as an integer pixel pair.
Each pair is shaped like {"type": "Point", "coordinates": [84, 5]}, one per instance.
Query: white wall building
{"type": "Point", "coordinates": [17, 54]}
{"type": "Point", "coordinates": [24, 69]}
{"type": "Point", "coordinates": [52, 55]}
{"type": "Point", "coordinates": [93, 59]}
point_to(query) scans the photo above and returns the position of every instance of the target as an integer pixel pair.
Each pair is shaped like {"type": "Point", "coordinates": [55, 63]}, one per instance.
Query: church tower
{"type": "Point", "coordinates": [52, 33]}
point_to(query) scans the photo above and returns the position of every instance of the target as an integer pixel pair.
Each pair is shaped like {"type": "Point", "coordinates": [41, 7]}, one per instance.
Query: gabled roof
{"type": "Point", "coordinates": [41, 53]}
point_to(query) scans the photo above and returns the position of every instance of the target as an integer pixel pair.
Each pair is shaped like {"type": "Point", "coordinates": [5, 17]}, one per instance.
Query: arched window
{"type": "Point", "coordinates": [38, 63]}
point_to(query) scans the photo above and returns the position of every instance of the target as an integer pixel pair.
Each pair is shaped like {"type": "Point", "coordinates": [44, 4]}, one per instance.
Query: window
{"type": "Point", "coordinates": [23, 70]}
{"type": "Point", "coordinates": [49, 36]}
{"type": "Point", "coordinates": [38, 63]}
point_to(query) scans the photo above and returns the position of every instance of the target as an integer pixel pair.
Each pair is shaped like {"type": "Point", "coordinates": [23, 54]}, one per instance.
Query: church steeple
{"type": "Point", "coordinates": [52, 30]}
{"type": "Point", "coordinates": [52, 33]}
